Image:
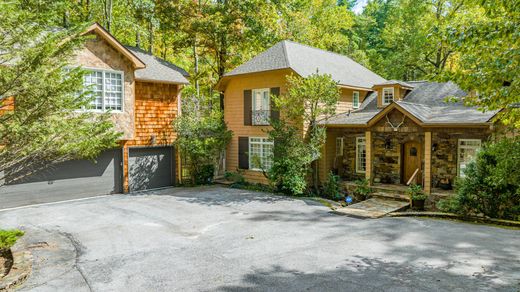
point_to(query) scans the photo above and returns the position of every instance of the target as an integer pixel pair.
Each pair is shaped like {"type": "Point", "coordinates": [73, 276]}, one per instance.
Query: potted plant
{"type": "Point", "coordinates": [417, 196]}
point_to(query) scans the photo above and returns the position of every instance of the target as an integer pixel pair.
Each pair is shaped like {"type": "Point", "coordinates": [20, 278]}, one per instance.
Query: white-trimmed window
{"type": "Point", "coordinates": [261, 106]}
{"type": "Point", "coordinates": [467, 151]}
{"type": "Point", "coordinates": [260, 153]}
{"type": "Point", "coordinates": [107, 89]}
{"type": "Point", "coordinates": [388, 95]}
{"type": "Point", "coordinates": [361, 155]}
{"type": "Point", "coordinates": [339, 146]}
{"type": "Point", "coordinates": [355, 99]}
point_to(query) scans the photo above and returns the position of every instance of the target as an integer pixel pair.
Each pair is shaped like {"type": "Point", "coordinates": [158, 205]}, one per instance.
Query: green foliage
{"type": "Point", "coordinates": [9, 237]}
{"type": "Point", "coordinates": [362, 189]}
{"type": "Point", "coordinates": [201, 139]}
{"type": "Point", "coordinates": [235, 177]}
{"type": "Point", "coordinates": [415, 192]}
{"type": "Point", "coordinates": [491, 186]}
{"type": "Point", "coordinates": [204, 174]}
{"type": "Point", "coordinates": [332, 188]}
{"type": "Point", "coordinates": [46, 127]}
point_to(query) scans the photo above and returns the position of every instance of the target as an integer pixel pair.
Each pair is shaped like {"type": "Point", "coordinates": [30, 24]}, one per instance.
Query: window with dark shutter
{"type": "Point", "coordinates": [247, 107]}
{"type": "Point", "coordinates": [243, 149]}
{"type": "Point", "coordinates": [275, 113]}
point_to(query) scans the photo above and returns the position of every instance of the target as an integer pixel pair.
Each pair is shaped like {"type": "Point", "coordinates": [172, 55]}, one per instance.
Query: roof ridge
{"type": "Point", "coordinates": [287, 60]}
{"type": "Point", "coordinates": [323, 50]}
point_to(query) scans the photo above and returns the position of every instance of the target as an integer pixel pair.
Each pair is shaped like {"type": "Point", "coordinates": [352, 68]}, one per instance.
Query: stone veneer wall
{"type": "Point", "coordinates": [444, 158]}
{"type": "Point", "coordinates": [348, 168]}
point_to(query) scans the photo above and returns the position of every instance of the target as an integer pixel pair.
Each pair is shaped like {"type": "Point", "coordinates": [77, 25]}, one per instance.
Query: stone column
{"type": "Point", "coordinates": [368, 156]}
{"type": "Point", "coordinates": [427, 162]}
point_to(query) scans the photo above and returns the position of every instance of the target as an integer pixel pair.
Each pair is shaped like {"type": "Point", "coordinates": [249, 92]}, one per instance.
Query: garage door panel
{"type": "Point", "coordinates": [150, 168]}
{"type": "Point", "coordinates": [65, 181]}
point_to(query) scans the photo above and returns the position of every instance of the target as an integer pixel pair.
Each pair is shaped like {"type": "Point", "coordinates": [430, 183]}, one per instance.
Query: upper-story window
{"type": "Point", "coordinates": [388, 95]}
{"type": "Point", "coordinates": [261, 106]}
{"type": "Point", "coordinates": [107, 89]}
{"type": "Point", "coordinates": [355, 99]}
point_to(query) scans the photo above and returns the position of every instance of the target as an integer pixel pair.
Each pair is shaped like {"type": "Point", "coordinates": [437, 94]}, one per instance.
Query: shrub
{"type": "Point", "coordinates": [204, 174]}
{"type": "Point", "coordinates": [235, 177]}
{"type": "Point", "coordinates": [9, 237]}
{"type": "Point", "coordinates": [491, 186]}
{"type": "Point", "coordinates": [332, 189]}
{"type": "Point", "coordinates": [362, 189]}
{"type": "Point", "coordinates": [415, 192]}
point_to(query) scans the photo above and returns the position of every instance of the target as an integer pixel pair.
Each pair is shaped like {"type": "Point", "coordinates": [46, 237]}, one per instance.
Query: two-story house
{"type": "Point", "coordinates": [142, 93]}
{"type": "Point", "coordinates": [388, 131]}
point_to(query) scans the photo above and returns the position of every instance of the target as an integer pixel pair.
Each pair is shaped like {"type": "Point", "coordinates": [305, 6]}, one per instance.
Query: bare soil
{"type": "Point", "coordinates": [6, 262]}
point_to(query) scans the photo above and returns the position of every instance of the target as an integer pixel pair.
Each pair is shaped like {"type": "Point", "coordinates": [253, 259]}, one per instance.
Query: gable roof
{"type": "Point", "coordinates": [99, 30]}
{"type": "Point", "coordinates": [426, 102]}
{"type": "Point", "coordinates": [395, 82]}
{"type": "Point", "coordinates": [157, 69]}
{"type": "Point", "coordinates": [306, 60]}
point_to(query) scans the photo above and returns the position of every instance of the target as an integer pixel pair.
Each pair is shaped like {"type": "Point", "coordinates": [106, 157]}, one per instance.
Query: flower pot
{"type": "Point", "coordinates": [418, 204]}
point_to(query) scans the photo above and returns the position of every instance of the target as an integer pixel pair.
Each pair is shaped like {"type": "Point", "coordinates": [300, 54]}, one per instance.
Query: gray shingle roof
{"type": "Point", "coordinates": [157, 69]}
{"type": "Point", "coordinates": [427, 102]}
{"type": "Point", "coordinates": [392, 82]}
{"type": "Point", "coordinates": [306, 60]}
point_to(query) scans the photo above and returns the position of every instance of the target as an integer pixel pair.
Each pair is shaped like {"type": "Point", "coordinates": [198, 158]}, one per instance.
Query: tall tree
{"type": "Point", "coordinates": [40, 96]}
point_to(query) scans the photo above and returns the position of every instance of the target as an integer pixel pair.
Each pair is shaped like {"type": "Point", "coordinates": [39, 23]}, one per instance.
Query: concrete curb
{"type": "Point", "coordinates": [509, 223]}
{"type": "Point", "coordinates": [21, 269]}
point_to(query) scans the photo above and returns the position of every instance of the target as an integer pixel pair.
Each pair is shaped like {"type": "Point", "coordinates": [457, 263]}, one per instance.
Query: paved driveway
{"type": "Point", "coordinates": [212, 238]}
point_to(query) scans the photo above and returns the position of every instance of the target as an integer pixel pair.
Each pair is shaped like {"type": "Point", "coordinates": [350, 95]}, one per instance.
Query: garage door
{"type": "Point", "coordinates": [68, 180]}
{"type": "Point", "coordinates": [151, 168]}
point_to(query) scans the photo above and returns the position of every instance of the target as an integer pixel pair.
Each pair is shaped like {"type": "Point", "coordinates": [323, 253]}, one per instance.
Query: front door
{"type": "Point", "coordinates": [412, 162]}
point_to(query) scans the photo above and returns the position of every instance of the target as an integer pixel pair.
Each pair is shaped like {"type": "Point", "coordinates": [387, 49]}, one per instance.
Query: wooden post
{"type": "Point", "coordinates": [368, 156]}
{"type": "Point", "coordinates": [126, 187]}
{"type": "Point", "coordinates": [428, 162]}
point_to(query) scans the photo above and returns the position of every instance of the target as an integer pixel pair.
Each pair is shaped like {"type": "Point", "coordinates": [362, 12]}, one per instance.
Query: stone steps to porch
{"type": "Point", "coordinates": [392, 196]}
{"type": "Point", "coordinates": [373, 208]}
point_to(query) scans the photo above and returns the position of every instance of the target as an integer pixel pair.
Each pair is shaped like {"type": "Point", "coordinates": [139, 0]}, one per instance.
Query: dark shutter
{"type": "Point", "coordinates": [275, 113]}
{"type": "Point", "coordinates": [247, 107]}
{"type": "Point", "coordinates": [243, 149]}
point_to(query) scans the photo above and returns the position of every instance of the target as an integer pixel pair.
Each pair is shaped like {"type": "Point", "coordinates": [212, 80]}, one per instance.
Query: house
{"type": "Point", "coordinates": [388, 131]}
{"type": "Point", "coordinates": [142, 93]}
{"type": "Point", "coordinates": [247, 90]}
{"type": "Point", "coordinates": [406, 132]}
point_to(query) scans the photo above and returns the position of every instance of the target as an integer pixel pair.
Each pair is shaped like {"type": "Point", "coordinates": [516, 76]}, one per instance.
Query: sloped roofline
{"type": "Point", "coordinates": [99, 30]}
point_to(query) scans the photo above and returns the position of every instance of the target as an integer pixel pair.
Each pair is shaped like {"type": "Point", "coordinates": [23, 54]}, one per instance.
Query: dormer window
{"type": "Point", "coordinates": [355, 99]}
{"type": "Point", "coordinates": [388, 95]}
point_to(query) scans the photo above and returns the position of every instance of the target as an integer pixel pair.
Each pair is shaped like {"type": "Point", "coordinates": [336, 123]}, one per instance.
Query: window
{"type": "Point", "coordinates": [261, 106]}
{"type": "Point", "coordinates": [466, 153]}
{"type": "Point", "coordinates": [339, 146]}
{"type": "Point", "coordinates": [106, 88]}
{"type": "Point", "coordinates": [355, 99]}
{"type": "Point", "coordinates": [388, 95]}
{"type": "Point", "coordinates": [361, 161]}
{"type": "Point", "coordinates": [260, 153]}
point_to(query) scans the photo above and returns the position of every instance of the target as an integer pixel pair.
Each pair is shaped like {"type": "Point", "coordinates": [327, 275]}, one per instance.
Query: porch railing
{"type": "Point", "coordinates": [260, 117]}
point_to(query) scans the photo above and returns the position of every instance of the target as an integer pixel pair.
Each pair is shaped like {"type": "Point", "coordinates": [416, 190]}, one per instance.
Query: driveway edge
{"type": "Point", "coordinates": [502, 222]}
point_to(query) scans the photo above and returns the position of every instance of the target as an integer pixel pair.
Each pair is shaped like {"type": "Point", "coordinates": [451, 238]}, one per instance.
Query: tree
{"type": "Point", "coordinates": [298, 138]}
{"type": "Point", "coordinates": [488, 57]}
{"type": "Point", "coordinates": [40, 95]}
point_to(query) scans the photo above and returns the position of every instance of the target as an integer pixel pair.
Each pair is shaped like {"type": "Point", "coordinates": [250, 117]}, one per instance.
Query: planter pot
{"type": "Point", "coordinates": [418, 204]}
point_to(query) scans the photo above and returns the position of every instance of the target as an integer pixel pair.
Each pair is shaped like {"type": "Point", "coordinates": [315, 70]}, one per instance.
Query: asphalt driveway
{"type": "Point", "coordinates": [218, 239]}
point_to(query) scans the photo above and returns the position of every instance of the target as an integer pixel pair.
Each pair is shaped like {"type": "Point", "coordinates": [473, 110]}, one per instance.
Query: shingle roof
{"type": "Point", "coordinates": [427, 102]}
{"type": "Point", "coordinates": [392, 82]}
{"type": "Point", "coordinates": [157, 69]}
{"type": "Point", "coordinates": [306, 60]}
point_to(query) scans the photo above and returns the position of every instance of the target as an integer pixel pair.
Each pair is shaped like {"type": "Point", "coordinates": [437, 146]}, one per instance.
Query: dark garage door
{"type": "Point", "coordinates": [68, 180]}
{"type": "Point", "coordinates": [151, 168]}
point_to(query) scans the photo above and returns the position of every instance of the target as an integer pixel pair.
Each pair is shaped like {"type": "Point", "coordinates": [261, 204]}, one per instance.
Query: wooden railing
{"type": "Point", "coordinates": [413, 177]}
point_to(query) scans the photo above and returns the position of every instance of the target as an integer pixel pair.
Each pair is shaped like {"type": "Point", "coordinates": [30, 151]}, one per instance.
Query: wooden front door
{"type": "Point", "coordinates": [412, 162]}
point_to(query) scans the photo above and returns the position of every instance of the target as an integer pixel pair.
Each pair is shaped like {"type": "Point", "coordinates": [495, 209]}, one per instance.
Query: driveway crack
{"type": "Point", "coordinates": [78, 248]}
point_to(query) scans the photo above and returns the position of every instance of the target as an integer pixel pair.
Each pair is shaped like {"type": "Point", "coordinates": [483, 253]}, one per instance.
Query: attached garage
{"type": "Point", "coordinates": [151, 168]}
{"type": "Point", "coordinates": [65, 181]}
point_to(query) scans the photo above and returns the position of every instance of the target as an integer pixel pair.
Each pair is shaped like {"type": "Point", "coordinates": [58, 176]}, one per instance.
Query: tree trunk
{"type": "Point", "coordinates": [108, 15]}
{"type": "Point", "coordinates": [196, 66]}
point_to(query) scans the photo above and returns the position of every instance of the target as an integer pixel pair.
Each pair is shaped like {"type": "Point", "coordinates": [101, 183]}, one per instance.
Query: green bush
{"type": "Point", "coordinates": [235, 177]}
{"type": "Point", "coordinates": [491, 186]}
{"type": "Point", "coordinates": [362, 189]}
{"type": "Point", "coordinates": [332, 188]}
{"type": "Point", "coordinates": [415, 192]}
{"type": "Point", "coordinates": [9, 237]}
{"type": "Point", "coordinates": [204, 174]}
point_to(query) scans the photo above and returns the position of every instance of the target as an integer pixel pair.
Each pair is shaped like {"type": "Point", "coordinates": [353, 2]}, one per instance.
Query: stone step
{"type": "Point", "coordinates": [388, 195]}
{"type": "Point", "coordinates": [373, 208]}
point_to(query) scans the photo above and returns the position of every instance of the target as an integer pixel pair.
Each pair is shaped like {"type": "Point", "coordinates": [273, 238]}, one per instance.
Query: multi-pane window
{"type": "Point", "coordinates": [260, 153]}
{"type": "Point", "coordinates": [261, 106]}
{"type": "Point", "coordinates": [467, 152]}
{"type": "Point", "coordinates": [355, 99]}
{"type": "Point", "coordinates": [106, 88]}
{"type": "Point", "coordinates": [388, 95]}
{"type": "Point", "coordinates": [339, 146]}
{"type": "Point", "coordinates": [361, 153]}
